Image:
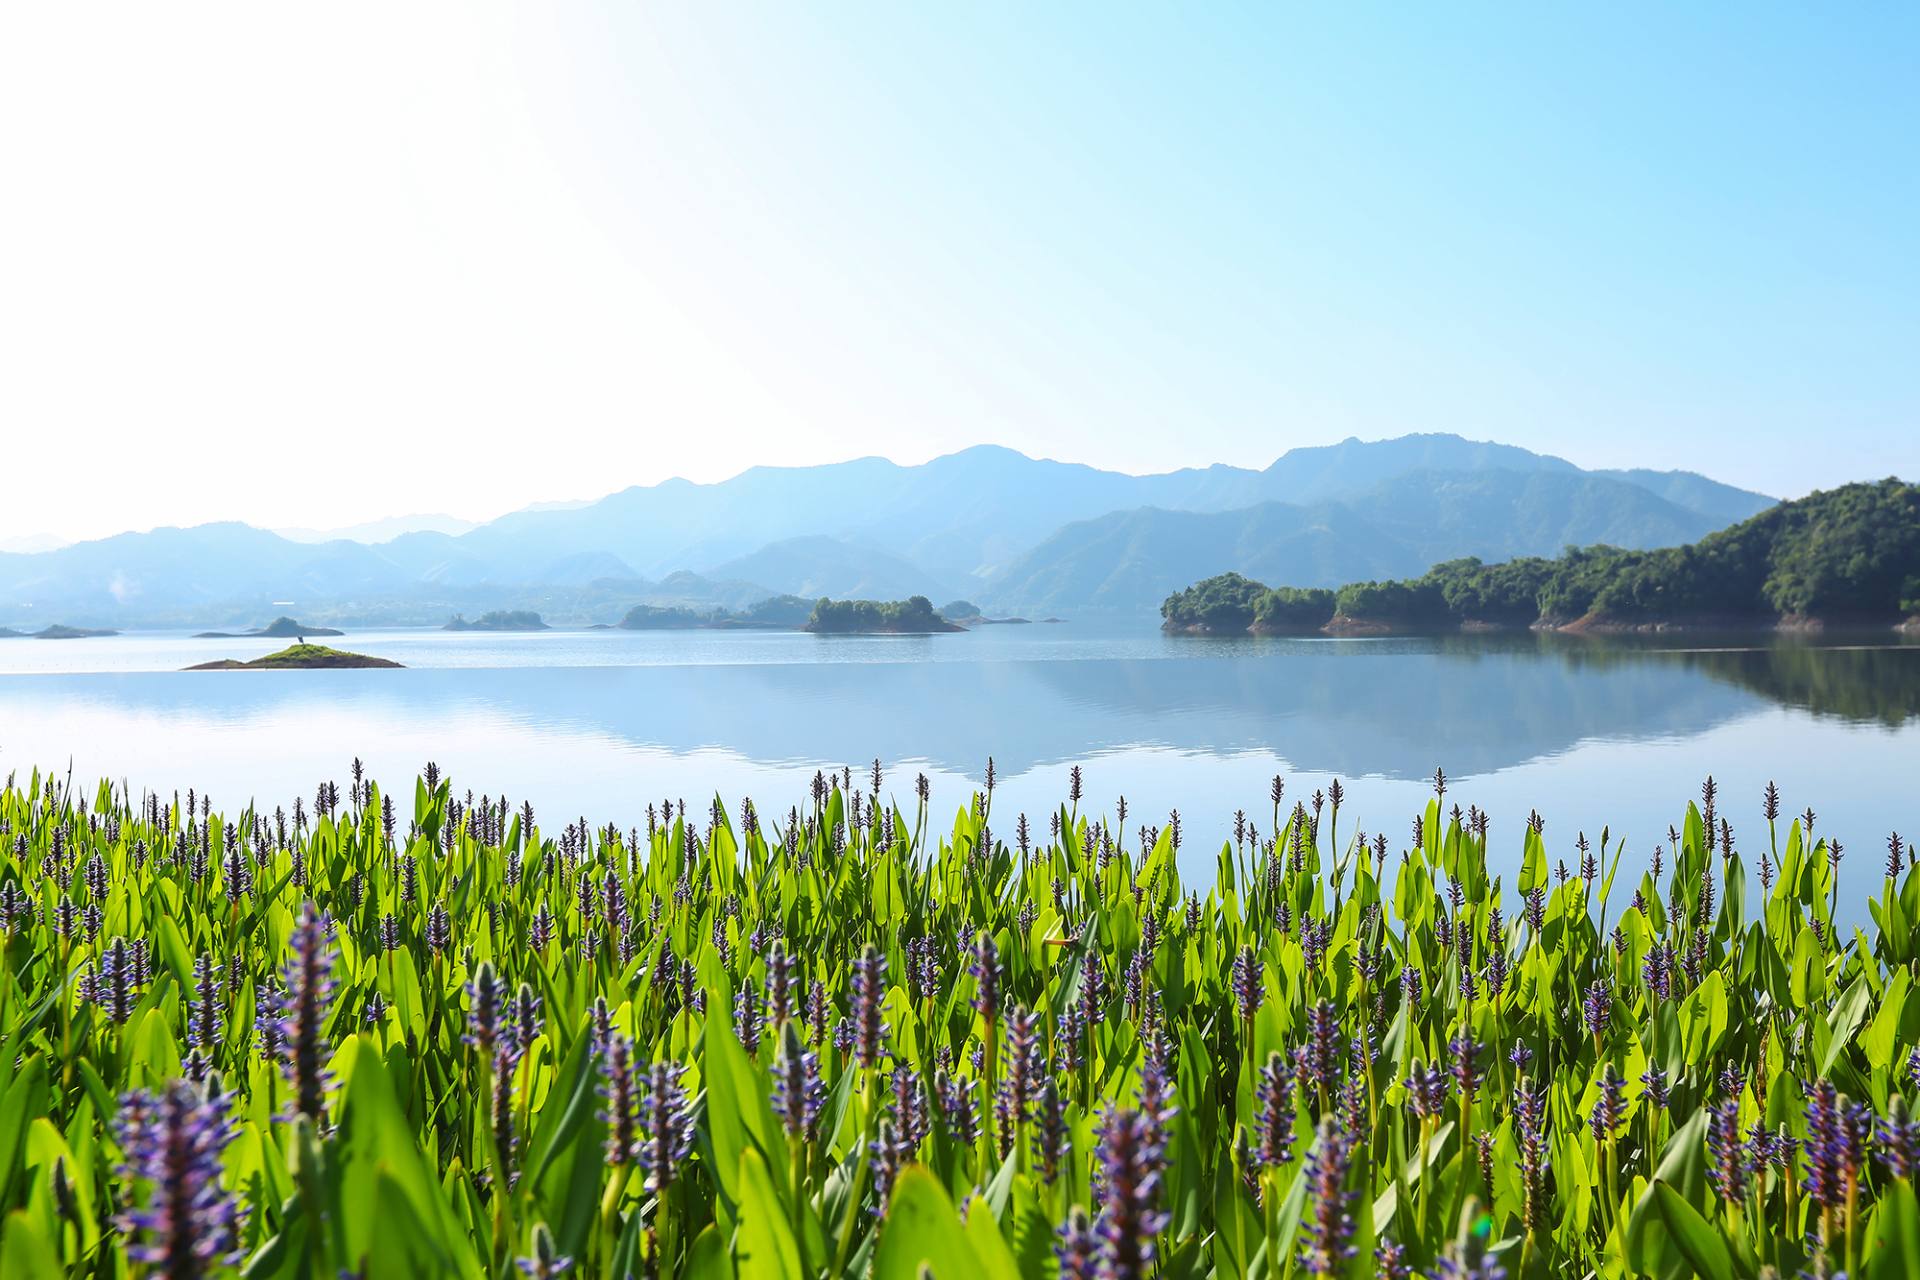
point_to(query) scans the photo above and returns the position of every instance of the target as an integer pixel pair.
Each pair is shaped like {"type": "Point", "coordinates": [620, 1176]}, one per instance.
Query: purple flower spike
{"type": "Point", "coordinates": [309, 982]}
{"type": "Point", "coordinates": [1427, 1091]}
{"type": "Point", "coordinates": [869, 990]}
{"type": "Point", "coordinates": [798, 1092]}
{"type": "Point", "coordinates": [746, 1019]}
{"type": "Point", "coordinates": [1132, 1151]}
{"type": "Point", "coordinates": [617, 1091]}
{"type": "Point", "coordinates": [1323, 1052]}
{"type": "Point", "coordinates": [1020, 1080]}
{"type": "Point", "coordinates": [985, 968]}
{"type": "Point", "coordinates": [174, 1142]}
{"type": "Point", "coordinates": [1530, 1125]}
{"type": "Point", "coordinates": [1078, 1248]}
{"type": "Point", "coordinates": [1465, 1068]}
{"type": "Point", "coordinates": [1051, 1134]}
{"type": "Point", "coordinates": [526, 1020]}
{"type": "Point", "coordinates": [1726, 1151]}
{"type": "Point", "coordinates": [1273, 1113]}
{"type": "Point", "coordinates": [666, 1125]}
{"type": "Point", "coordinates": [1610, 1108]}
{"type": "Point", "coordinates": [1248, 989]}
{"type": "Point", "coordinates": [962, 1117]}
{"type": "Point", "coordinates": [781, 993]}
{"type": "Point", "coordinates": [1598, 1010]}
{"type": "Point", "coordinates": [1900, 1141]}
{"type": "Point", "coordinates": [1655, 1080]}
{"type": "Point", "coordinates": [910, 1119]}
{"type": "Point", "coordinates": [1825, 1148]}
{"type": "Point", "coordinates": [1327, 1226]}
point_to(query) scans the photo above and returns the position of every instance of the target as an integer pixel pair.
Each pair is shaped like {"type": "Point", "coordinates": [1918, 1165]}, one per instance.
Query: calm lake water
{"type": "Point", "coordinates": [1589, 732]}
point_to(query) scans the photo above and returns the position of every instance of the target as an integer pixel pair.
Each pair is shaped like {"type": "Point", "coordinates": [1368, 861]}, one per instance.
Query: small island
{"type": "Point", "coordinates": [298, 657]}
{"type": "Point", "coordinates": [498, 620]}
{"type": "Point", "coordinates": [281, 628]}
{"type": "Point", "coordinates": [774, 613]}
{"type": "Point", "coordinates": [912, 616]}
{"type": "Point", "coordinates": [965, 613]}
{"type": "Point", "coordinates": [58, 632]}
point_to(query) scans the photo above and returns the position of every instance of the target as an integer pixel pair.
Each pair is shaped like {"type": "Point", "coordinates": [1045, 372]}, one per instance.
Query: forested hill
{"type": "Point", "coordinates": [1847, 555]}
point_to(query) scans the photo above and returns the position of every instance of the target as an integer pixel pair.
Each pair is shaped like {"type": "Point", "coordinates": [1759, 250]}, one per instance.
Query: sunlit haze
{"type": "Point", "coordinates": [317, 265]}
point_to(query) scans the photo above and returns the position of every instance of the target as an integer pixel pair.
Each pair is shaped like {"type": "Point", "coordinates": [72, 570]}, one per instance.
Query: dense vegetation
{"type": "Point", "coordinates": [914, 614]}
{"type": "Point", "coordinates": [498, 620]}
{"type": "Point", "coordinates": [1852, 554]}
{"type": "Point", "coordinates": [775, 611]}
{"type": "Point", "coordinates": [437, 1039]}
{"type": "Point", "coordinates": [1230, 602]}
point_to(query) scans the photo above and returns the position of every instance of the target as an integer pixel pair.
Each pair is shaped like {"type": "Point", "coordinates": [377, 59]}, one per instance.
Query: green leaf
{"type": "Point", "coordinates": [737, 1112]}
{"type": "Point", "coordinates": [26, 1098]}
{"type": "Point", "coordinates": [707, 1259]}
{"type": "Point", "coordinates": [1848, 1013]}
{"type": "Point", "coordinates": [1893, 1234]}
{"type": "Point", "coordinates": [1882, 1036]}
{"type": "Point", "coordinates": [766, 1246]}
{"type": "Point", "coordinates": [393, 1208]}
{"type": "Point", "coordinates": [989, 1246]}
{"type": "Point", "coordinates": [568, 1149]}
{"type": "Point", "coordinates": [922, 1228]}
{"type": "Point", "coordinates": [1668, 1238]}
{"type": "Point", "coordinates": [25, 1255]}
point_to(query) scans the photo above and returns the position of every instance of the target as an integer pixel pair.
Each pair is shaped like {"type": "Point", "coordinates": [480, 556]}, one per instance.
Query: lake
{"type": "Point", "coordinates": [1589, 731]}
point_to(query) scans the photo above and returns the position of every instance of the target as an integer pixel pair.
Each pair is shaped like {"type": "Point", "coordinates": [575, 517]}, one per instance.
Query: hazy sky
{"type": "Point", "coordinates": [316, 264]}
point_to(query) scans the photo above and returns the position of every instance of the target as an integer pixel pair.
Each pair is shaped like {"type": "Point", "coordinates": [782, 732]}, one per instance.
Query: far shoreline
{"type": "Point", "coordinates": [1344, 626]}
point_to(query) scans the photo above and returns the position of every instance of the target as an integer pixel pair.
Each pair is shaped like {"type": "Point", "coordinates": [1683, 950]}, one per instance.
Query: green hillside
{"type": "Point", "coordinates": [1848, 555]}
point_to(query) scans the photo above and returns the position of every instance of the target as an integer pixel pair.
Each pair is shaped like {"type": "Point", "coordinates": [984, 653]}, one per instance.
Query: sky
{"type": "Point", "coordinates": [318, 265]}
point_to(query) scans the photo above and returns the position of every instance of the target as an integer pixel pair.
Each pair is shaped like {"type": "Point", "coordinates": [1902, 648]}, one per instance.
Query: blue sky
{"type": "Point", "coordinates": [544, 251]}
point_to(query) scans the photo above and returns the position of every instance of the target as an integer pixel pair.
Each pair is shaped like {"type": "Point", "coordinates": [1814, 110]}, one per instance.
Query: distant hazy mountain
{"type": "Point", "coordinates": [1722, 503]}
{"type": "Point", "coordinates": [382, 530]}
{"type": "Point", "coordinates": [130, 574]}
{"type": "Point", "coordinates": [986, 523]}
{"type": "Point", "coordinates": [817, 566]}
{"type": "Point", "coordinates": [968, 515]}
{"type": "Point", "coordinates": [1130, 560]}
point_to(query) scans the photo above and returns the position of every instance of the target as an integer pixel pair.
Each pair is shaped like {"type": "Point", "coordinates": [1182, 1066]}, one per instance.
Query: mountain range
{"type": "Point", "coordinates": [1014, 533]}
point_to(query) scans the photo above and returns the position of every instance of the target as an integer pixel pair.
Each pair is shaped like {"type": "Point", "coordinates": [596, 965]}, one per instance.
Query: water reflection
{"type": "Point", "coordinates": [1590, 732]}
{"type": "Point", "coordinates": [1391, 709]}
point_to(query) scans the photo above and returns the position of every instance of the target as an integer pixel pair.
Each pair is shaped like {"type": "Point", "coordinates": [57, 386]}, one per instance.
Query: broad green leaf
{"type": "Point", "coordinates": [922, 1228]}
{"type": "Point", "coordinates": [766, 1248]}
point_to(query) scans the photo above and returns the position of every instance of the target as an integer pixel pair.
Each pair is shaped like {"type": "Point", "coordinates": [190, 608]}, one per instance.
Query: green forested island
{"type": "Point", "coordinates": [1849, 555]}
{"type": "Point", "coordinates": [790, 612]}
{"type": "Point", "coordinates": [498, 620]}
{"type": "Point", "coordinates": [912, 616]}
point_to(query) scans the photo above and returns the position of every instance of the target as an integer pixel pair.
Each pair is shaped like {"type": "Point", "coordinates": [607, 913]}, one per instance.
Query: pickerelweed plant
{"type": "Point", "coordinates": [350, 1040]}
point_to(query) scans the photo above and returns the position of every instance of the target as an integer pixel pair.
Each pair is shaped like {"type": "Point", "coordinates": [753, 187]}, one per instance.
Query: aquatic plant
{"type": "Point", "coordinates": [353, 1037]}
